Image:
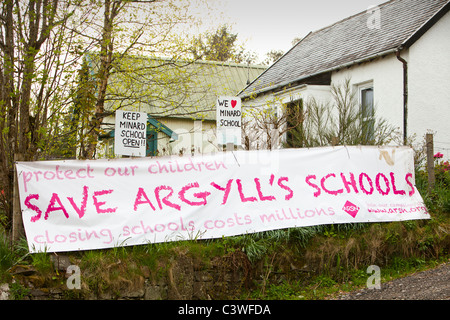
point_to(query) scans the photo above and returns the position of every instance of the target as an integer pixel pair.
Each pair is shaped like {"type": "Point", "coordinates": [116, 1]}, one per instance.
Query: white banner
{"type": "Point", "coordinates": [79, 205]}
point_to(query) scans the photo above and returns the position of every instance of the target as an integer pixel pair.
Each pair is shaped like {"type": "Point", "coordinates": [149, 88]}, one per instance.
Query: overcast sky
{"type": "Point", "coordinates": [272, 24]}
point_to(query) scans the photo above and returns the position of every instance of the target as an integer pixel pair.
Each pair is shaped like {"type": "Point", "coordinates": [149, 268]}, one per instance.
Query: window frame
{"type": "Point", "coordinates": [369, 133]}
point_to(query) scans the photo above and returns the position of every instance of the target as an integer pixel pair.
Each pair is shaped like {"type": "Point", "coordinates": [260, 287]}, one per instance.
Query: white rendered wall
{"type": "Point", "coordinates": [386, 75]}
{"type": "Point", "coordinates": [429, 85]}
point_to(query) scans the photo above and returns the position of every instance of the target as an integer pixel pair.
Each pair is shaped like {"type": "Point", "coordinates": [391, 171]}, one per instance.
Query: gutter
{"type": "Point", "coordinates": [344, 65]}
{"type": "Point", "coordinates": [405, 94]}
{"type": "Point", "coordinates": [406, 44]}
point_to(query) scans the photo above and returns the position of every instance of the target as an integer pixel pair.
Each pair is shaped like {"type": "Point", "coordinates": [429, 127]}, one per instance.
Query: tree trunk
{"type": "Point", "coordinates": [106, 52]}
{"type": "Point", "coordinates": [9, 117]}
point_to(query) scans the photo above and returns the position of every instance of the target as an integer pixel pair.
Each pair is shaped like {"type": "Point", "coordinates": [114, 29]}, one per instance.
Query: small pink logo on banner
{"type": "Point", "coordinates": [351, 209]}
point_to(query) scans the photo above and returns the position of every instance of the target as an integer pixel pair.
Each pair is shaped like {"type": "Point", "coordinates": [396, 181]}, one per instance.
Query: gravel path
{"type": "Point", "coordinates": [433, 284]}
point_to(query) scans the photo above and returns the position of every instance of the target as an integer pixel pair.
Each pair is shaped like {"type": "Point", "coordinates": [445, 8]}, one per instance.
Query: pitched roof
{"type": "Point", "coordinates": [167, 88]}
{"type": "Point", "coordinates": [214, 79]}
{"type": "Point", "coordinates": [350, 41]}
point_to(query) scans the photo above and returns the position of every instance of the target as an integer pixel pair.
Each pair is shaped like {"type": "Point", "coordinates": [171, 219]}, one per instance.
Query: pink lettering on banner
{"type": "Point", "coordinates": [272, 178]}
{"type": "Point", "coordinates": [141, 194]}
{"type": "Point", "coordinates": [99, 204]}
{"type": "Point", "coordinates": [175, 166]}
{"type": "Point", "coordinates": [347, 183]}
{"type": "Point", "coordinates": [258, 186]}
{"type": "Point", "coordinates": [125, 171]}
{"type": "Point", "coordinates": [322, 183]}
{"type": "Point", "coordinates": [226, 190]}
{"type": "Point", "coordinates": [187, 196]}
{"type": "Point", "coordinates": [361, 183]}
{"type": "Point", "coordinates": [165, 199]}
{"type": "Point", "coordinates": [33, 207]}
{"type": "Point", "coordinates": [38, 175]}
{"type": "Point", "coordinates": [383, 184]}
{"type": "Point", "coordinates": [408, 177]}
{"type": "Point", "coordinates": [82, 209]}
{"type": "Point", "coordinates": [289, 190]}
{"type": "Point", "coordinates": [394, 188]}
{"type": "Point", "coordinates": [51, 207]}
{"type": "Point", "coordinates": [198, 195]}
{"type": "Point", "coordinates": [26, 178]}
{"type": "Point", "coordinates": [241, 194]}
{"type": "Point", "coordinates": [228, 223]}
{"type": "Point", "coordinates": [308, 181]}
{"type": "Point", "coordinates": [79, 236]}
{"type": "Point", "coordinates": [386, 183]}
{"type": "Point", "coordinates": [295, 214]}
{"type": "Point", "coordinates": [260, 194]}
{"type": "Point", "coordinates": [164, 196]}
{"type": "Point", "coordinates": [143, 228]}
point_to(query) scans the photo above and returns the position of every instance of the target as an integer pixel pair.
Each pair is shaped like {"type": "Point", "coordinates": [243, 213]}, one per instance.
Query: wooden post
{"type": "Point", "coordinates": [17, 223]}
{"type": "Point", "coordinates": [430, 161]}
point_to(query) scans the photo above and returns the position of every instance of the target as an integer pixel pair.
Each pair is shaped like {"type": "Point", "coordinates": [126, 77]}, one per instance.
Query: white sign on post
{"type": "Point", "coordinates": [228, 116]}
{"type": "Point", "coordinates": [130, 133]}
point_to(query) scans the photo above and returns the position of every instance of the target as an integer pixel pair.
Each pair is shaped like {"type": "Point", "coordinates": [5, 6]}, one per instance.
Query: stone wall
{"type": "Point", "coordinates": [183, 279]}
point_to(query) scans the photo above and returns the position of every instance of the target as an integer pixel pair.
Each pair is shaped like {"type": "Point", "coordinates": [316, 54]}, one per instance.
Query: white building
{"type": "Point", "coordinates": [396, 55]}
{"type": "Point", "coordinates": [179, 99]}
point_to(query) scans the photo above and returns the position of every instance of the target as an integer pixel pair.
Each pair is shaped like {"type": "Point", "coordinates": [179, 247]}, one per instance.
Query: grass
{"type": "Point", "coordinates": [303, 263]}
{"type": "Point", "coordinates": [6, 256]}
{"type": "Point", "coordinates": [338, 255]}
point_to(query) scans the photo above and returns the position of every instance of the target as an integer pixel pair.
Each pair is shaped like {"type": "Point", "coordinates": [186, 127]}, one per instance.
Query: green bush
{"type": "Point", "coordinates": [6, 255]}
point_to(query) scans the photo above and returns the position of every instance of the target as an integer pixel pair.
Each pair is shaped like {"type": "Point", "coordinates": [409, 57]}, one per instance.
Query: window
{"type": "Point", "coordinates": [295, 136]}
{"type": "Point", "coordinates": [367, 113]}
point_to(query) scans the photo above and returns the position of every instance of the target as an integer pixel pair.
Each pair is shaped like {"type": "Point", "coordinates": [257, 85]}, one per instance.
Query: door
{"type": "Point", "coordinates": [152, 143]}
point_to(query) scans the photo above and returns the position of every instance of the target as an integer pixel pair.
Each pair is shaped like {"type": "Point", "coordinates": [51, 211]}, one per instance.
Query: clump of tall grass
{"type": "Point", "coordinates": [257, 245]}
{"type": "Point", "coordinates": [6, 254]}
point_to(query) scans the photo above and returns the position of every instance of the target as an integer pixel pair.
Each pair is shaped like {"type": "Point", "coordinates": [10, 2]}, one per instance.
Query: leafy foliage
{"type": "Point", "coordinates": [220, 45]}
{"type": "Point", "coordinates": [51, 105]}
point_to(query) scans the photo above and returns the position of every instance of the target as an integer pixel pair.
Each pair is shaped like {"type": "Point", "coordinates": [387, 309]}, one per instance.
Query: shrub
{"type": "Point", "coordinates": [340, 122]}
{"type": "Point", "coordinates": [6, 255]}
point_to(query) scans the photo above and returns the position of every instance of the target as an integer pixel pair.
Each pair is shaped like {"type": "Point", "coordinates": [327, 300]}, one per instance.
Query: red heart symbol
{"type": "Point", "coordinates": [233, 103]}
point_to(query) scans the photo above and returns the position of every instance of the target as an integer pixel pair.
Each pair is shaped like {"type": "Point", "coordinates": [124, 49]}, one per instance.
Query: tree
{"type": "Point", "coordinates": [42, 46]}
{"type": "Point", "coordinates": [34, 71]}
{"type": "Point", "coordinates": [272, 56]}
{"type": "Point", "coordinates": [147, 29]}
{"type": "Point", "coordinates": [111, 9]}
{"type": "Point", "coordinates": [296, 40]}
{"type": "Point", "coordinates": [81, 112]}
{"type": "Point", "coordinates": [263, 127]}
{"type": "Point", "coordinates": [220, 46]}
